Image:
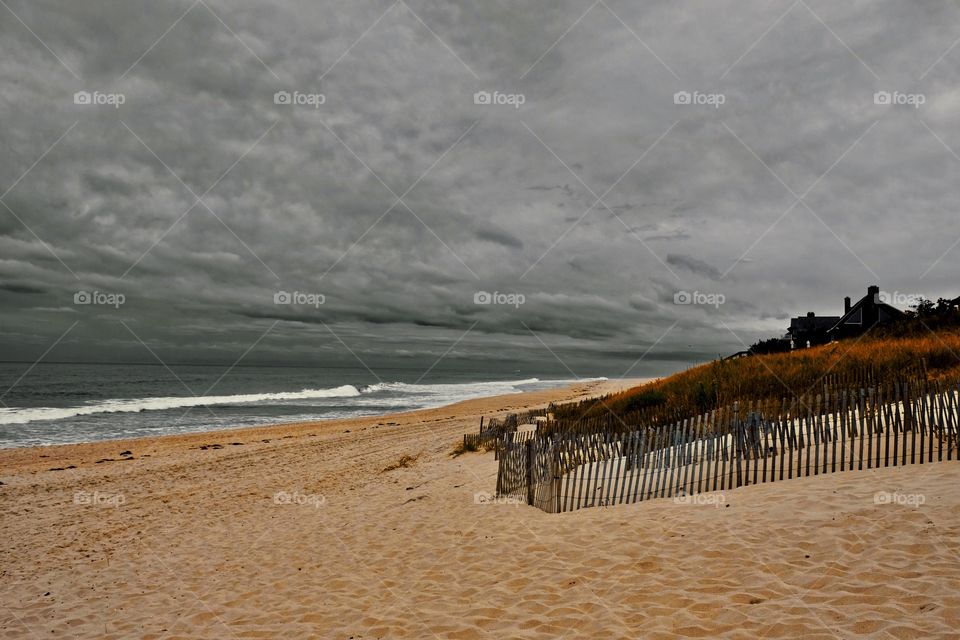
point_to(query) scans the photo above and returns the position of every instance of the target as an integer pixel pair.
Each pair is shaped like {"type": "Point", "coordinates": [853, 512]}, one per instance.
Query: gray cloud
{"type": "Point", "coordinates": [693, 265]}
{"type": "Point", "coordinates": [494, 198]}
{"type": "Point", "coordinates": [498, 236]}
{"type": "Point", "coordinates": [19, 288]}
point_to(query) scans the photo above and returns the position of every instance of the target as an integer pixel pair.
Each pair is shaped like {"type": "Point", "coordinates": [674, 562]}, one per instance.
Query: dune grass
{"type": "Point", "coordinates": [464, 447]}
{"type": "Point", "coordinates": [874, 357]}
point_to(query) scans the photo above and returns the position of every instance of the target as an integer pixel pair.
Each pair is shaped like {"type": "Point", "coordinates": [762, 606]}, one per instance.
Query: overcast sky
{"type": "Point", "coordinates": [781, 187]}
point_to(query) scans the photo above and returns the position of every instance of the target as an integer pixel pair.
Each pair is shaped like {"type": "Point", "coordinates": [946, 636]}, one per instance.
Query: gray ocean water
{"type": "Point", "coordinates": [51, 403]}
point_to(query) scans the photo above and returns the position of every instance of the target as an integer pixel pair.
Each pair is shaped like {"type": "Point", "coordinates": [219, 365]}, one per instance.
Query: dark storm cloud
{"type": "Point", "coordinates": [19, 288]}
{"type": "Point", "coordinates": [399, 199]}
{"type": "Point", "coordinates": [693, 265]}
{"type": "Point", "coordinates": [500, 237]}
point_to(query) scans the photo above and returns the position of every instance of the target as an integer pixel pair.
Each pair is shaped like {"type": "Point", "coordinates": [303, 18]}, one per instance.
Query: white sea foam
{"type": "Point", "coordinates": [135, 405]}
{"type": "Point", "coordinates": [343, 401]}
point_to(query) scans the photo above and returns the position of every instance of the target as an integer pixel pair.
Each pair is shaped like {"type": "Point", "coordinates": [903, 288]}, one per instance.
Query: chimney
{"type": "Point", "coordinates": [873, 293]}
{"type": "Point", "coordinates": [846, 305]}
{"type": "Point", "coordinates": [810, 314]}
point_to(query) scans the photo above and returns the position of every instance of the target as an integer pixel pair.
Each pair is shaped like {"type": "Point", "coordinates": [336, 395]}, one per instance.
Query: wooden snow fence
{"type": "Point", "coordinates": [910, 422]}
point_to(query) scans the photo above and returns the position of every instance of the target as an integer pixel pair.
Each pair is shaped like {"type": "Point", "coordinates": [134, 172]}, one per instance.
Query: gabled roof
{"type": "Point", "coordinates": [857, 310]}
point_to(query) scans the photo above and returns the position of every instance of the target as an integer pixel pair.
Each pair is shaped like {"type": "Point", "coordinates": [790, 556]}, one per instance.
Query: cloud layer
{"type": "Point", "coordinates": [724, 147]}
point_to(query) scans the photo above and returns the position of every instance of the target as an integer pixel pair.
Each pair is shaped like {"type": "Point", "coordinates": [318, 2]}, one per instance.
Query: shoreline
{"type": "Point", "coordinates": [60, 457]}
{"type": "Point", "coordinates": [413, 397]}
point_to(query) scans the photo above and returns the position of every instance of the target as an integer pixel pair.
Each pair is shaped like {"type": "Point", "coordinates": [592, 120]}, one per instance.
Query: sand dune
{"type": "Point", "coordinates": [307, 535]}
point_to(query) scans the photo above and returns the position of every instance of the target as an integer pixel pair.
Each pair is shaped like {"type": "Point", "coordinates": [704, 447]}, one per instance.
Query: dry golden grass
{"type": "Point", "coordinates": [935, 355]}
{"type": "Point", "coordinates": [404, 462]}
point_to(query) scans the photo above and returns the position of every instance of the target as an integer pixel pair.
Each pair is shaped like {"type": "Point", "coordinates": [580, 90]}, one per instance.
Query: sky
{"type": "Point", "coordinates": [607, 188]}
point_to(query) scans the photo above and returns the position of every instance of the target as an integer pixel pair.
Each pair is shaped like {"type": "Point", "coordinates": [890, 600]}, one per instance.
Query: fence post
{"type": "Point", "coordinates": [555, 472]}
{"type": "Point", "coordinates": [530, 460]}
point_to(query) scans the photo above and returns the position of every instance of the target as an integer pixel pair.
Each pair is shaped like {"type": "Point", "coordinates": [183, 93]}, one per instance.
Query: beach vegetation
{"type": "Point", "coordinates": [404, 462]}
{"type": "Point", "coordinates": [463, 447]}
{"type": "Point", "coordinates": [926, 348]}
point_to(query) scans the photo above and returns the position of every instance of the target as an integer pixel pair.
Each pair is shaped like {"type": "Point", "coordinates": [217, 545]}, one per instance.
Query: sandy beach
{"type": "Point", "coordinates": [368, 528]}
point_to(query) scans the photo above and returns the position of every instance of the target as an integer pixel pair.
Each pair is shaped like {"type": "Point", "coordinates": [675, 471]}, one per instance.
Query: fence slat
{"type": "Point", "coordinates": [637, 492]}
{"type": "Point", "coordinates": [703, 460]}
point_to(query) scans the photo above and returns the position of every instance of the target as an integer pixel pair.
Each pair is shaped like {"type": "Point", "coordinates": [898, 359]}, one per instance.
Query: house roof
{"type": "Point", "coordinates": [813, 323]}
{"type": "Point", "coordinates": [869, 299]}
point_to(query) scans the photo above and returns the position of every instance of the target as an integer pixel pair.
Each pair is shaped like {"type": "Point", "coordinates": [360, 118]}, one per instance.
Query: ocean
{"type": "Point", "coordinates": [55, 403]}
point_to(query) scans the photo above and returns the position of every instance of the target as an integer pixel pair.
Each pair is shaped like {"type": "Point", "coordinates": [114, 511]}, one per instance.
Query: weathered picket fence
{"type": "Point", "coordinates": [911, 422]}
{"type": "Point", "coordinates": [512, 429]}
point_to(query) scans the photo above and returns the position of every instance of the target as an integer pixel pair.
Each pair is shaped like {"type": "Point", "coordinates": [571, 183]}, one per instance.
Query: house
{"type": "Point", "coordinates": [863, 315]}
{"type": "Point", "coordinates": [812, 330]}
